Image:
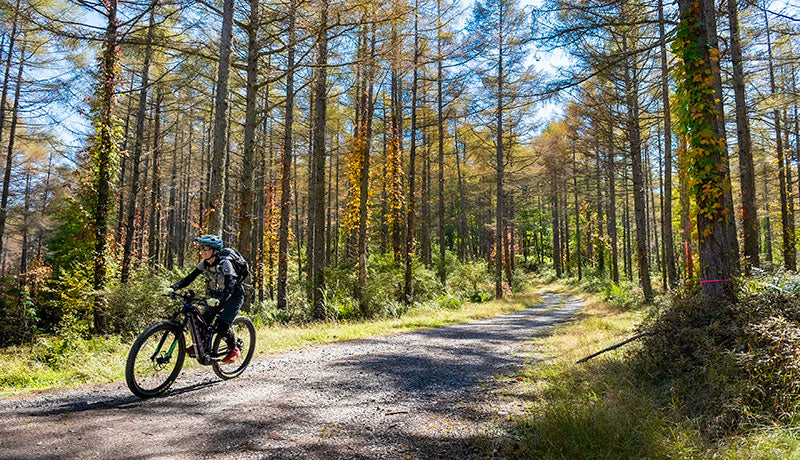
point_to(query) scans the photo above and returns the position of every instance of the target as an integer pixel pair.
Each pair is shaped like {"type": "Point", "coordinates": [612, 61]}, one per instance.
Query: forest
{"type": "Point", "coordinates": [366, 158]}
{"type": "Point", "coordinates": [333, 144]}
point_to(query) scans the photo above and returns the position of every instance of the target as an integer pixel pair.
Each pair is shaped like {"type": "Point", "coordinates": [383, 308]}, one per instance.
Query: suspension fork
{"type": "Point", "coordinates": [172, 346]}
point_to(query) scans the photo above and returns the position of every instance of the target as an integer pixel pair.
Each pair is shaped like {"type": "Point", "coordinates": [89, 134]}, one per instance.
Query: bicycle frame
{"type": "Point", "coordinates": [193, 318]}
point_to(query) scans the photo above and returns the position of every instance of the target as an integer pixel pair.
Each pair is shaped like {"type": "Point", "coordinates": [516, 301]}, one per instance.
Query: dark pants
{"type": "Point", "coordinates": [227, 313]}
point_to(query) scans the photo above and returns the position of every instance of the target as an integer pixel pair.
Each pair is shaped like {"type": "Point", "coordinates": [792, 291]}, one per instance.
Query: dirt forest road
{"type": "Point", "coordinates": [421, 394]}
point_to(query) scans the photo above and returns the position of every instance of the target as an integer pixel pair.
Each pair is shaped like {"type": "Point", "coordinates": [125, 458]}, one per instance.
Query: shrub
{"type": "Point", "coordinates": [473, 281]}
{"type": "Point", "coordinates": [139, 302]}
{"type": "Point", "coordinates": [729, 364]}
{"type": "Point", "coordinates": [450, 301]}
{"type": "Point", "coordinates": [624, 296]}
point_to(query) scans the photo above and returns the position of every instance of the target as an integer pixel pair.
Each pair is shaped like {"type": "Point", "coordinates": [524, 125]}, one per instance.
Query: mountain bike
{"type": "Point", "coordinates": [156, 356]}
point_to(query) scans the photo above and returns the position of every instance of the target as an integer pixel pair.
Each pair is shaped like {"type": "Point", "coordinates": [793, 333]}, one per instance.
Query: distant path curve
{"type": "Point", "coordinates": [402, 396]}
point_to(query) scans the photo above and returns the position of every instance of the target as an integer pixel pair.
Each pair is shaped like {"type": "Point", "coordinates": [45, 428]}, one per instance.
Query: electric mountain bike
{"type": "Point", "coordinates": [156, 356]}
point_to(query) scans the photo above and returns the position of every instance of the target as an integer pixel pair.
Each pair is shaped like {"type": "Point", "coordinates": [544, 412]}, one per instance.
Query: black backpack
{"type": "Point", "coordinates": [238, 261]}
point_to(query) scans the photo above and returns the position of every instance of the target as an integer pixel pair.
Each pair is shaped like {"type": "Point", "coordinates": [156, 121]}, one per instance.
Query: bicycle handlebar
{"type": "Point", "coordinates": [188, 296]}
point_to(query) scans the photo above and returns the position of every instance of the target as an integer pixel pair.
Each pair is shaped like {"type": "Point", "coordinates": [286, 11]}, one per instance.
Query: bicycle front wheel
{"type": "Point", "coordinates": [155, 359]}
{"type": "Point", "coordinates": [245, 334]}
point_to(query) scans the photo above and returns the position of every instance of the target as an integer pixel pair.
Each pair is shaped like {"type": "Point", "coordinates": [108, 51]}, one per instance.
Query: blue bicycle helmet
{"type": "Point", "coordinates": [212, 241]}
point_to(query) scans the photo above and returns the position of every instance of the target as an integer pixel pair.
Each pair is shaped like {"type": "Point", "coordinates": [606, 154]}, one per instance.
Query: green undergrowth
{"type": "Point", "coordinates": [69, 360]}
{"type": "Point", "coordinates": [614, 407]}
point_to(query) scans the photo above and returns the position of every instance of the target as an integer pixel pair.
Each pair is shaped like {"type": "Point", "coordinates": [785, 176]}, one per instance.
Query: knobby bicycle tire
{"type": "Point", "coordinates": [148, 377]}
{"type": "Point", "coordinates": [220, 348]}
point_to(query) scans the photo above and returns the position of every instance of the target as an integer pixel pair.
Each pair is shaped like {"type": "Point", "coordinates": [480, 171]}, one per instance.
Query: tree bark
{"type": "Point", "coordinates": [632, 102]}
{"type": "Point", "coordinates": [746, 169]}
{"type": "Point", "coordinates": [317, 220]}
{"type": "Point", "coordinates": [286, 165]}
{"type": "Point", "coordinates": [787, 216]}
{"type": "Point", "coordinates": [668, 237]}
{"type": "Point", "coordinates": [141, 115]}
{"type": "Point", "coordinates": [215, 204]}
{"type": "Point", "coordinates": [245, 219]}
{"type": "Point", "coordinates": [409, 251]}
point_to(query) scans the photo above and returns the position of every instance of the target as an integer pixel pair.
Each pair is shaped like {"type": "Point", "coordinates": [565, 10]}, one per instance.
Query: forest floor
{"type": "Point", "coordinates": [424, 394]}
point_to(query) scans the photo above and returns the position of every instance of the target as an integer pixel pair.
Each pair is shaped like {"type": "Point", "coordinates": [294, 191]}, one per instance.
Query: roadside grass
{"type": "Point", "coordinates": [63, 362]}
{"type": "Point", "coordinates": [601, 409]}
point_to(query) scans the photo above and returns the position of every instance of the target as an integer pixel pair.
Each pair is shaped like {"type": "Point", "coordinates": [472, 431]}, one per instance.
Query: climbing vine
{"type": "Point", "coordinates": [697, 111]}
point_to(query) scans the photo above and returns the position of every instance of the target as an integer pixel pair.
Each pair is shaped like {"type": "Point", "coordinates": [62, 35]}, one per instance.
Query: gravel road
{"type": "Point", "coordinates": [413, 395]}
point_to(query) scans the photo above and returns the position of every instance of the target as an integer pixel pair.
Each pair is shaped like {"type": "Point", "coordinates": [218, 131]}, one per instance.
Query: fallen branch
{"type": "Point", "coordinates": [613, 347]}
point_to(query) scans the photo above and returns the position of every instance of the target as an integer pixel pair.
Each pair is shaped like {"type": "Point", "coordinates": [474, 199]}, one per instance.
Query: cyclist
{"type": "Point", "coordinates": [225, 293]}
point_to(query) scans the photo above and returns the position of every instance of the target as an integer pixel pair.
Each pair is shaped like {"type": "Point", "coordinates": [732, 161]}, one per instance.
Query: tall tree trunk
{"type": "Point", "coordinates": [10, 152]}
{"type": "Point", "coordinates": [556, 235]}
{"type": "Point", "coordinates": [106, 146]}
{"type": "Point", "coordinates": [578, 255]}
{"type": "Point", "coordinates": [317, 220]}
{"type": "Point", "coordinates": [686, 222]}
{"type": "Point", "coordinates": [462, 210]}
{"type": "Point", "coordinates": [499, 158]}
{"type": "Point", "coordinates": [155, 207]}
{"type": "Point", "coordinates": [23, 257]}
{"type": "Point", "coordinates": [368, 106]}
{"type": "Point", "coordinates": [409, 251]}
{"type": "Point", "coordinates": [172, 212]}
{"type": "Point", "coordinates": [440, 125]}
{"type": "Point", "coordinates": [787, 216]}
{"type": "Point", "coordinates": [601, 253]}
{"type": "Point", "coordinates": [746, 169]}
{"type": "Point", "coordinates": [715, 247]}
{"type": "Point", "coordinates": [7, 76]}
{"type": "Point", "coordinates": [611, 208]}
{"type": "Point", "coordinates": [216, 192]}
{"type": "Point", "coordinates": [731, 241]}
{"type": "Point", "coordinates": [245, 220]}
{"type": "Point", "coordinates": [668, 237]}
{"type": "Point", "coordinates": [632, 102]}
{"type": "Point", "coordinates": [141, 115]}
{"type": "Point", "coordinates": [286, 164]}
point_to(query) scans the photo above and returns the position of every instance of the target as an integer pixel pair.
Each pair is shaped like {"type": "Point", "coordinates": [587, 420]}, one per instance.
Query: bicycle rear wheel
{"type": "Point", "coordinates": [155, 359]}
{"type": "Point", "coordinates": [245, 334]}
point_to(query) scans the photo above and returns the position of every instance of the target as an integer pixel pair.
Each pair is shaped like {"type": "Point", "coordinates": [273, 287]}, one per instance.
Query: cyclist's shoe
{"type": "Point", "coordinates": [190, 351]}
{"type": "Point", "coordinates": [232, 356]}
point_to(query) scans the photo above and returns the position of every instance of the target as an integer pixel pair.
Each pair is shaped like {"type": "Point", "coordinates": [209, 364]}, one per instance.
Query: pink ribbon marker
{"type": "Point", "coordinates": [714, 281]}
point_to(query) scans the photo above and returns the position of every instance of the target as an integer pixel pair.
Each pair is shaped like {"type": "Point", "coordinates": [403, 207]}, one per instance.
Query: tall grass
{"type": "Point", "coordinates": [605, 408]}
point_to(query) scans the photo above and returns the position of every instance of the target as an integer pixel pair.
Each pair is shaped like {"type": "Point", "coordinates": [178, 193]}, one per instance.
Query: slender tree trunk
{"type": "Point", "coordinates": [245, 218]}
{"type": "Point", "coordinates": [155, 207]}
{"type": "Point", "coordinates": [578, 255]}
{"type": "Point", "coordinates": [686, 222]}
{"type": "Point", "coordinates": [462, 210]}
{"type": "Point", "coordinates": [556, 236]}
{"type": "Point", "coordinates": [440, 125]}
{"type": "Point", "coordinates": [317, 221]}
{"type": "Point", "coordinates": [286, 165]}
{"type": "Point", "coordinates": [364, 185]}
{"type": "Point", "coordinates": [141, 115]}
{"type": "Point", "coordinates": [10, 152]}
{"type": "Point", "coordinates": [7, 76]}
{"type": "Point", "coordinates": [787, 216]}
{"type": "Point", "coordinates": [216, 192]}
{"type": "Point", "coordinates": [767, 226]}
{"type": "Point", "coordinates": [746, 169]}
{"type": "Point", "coordinates": [611, 208]}
{"type": "Point", "coordinates": [409, 251]}
{"type": "Point", "coordinates": [632, 100]}
{"type": "Point", "coordinates": [424, 231]}
{"type": "Point", "coordinates": [669, 240]}
{"type": "Point", "coordinates": [601, 252]}
{"type": "Point", "coordinates": [500, 158]}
